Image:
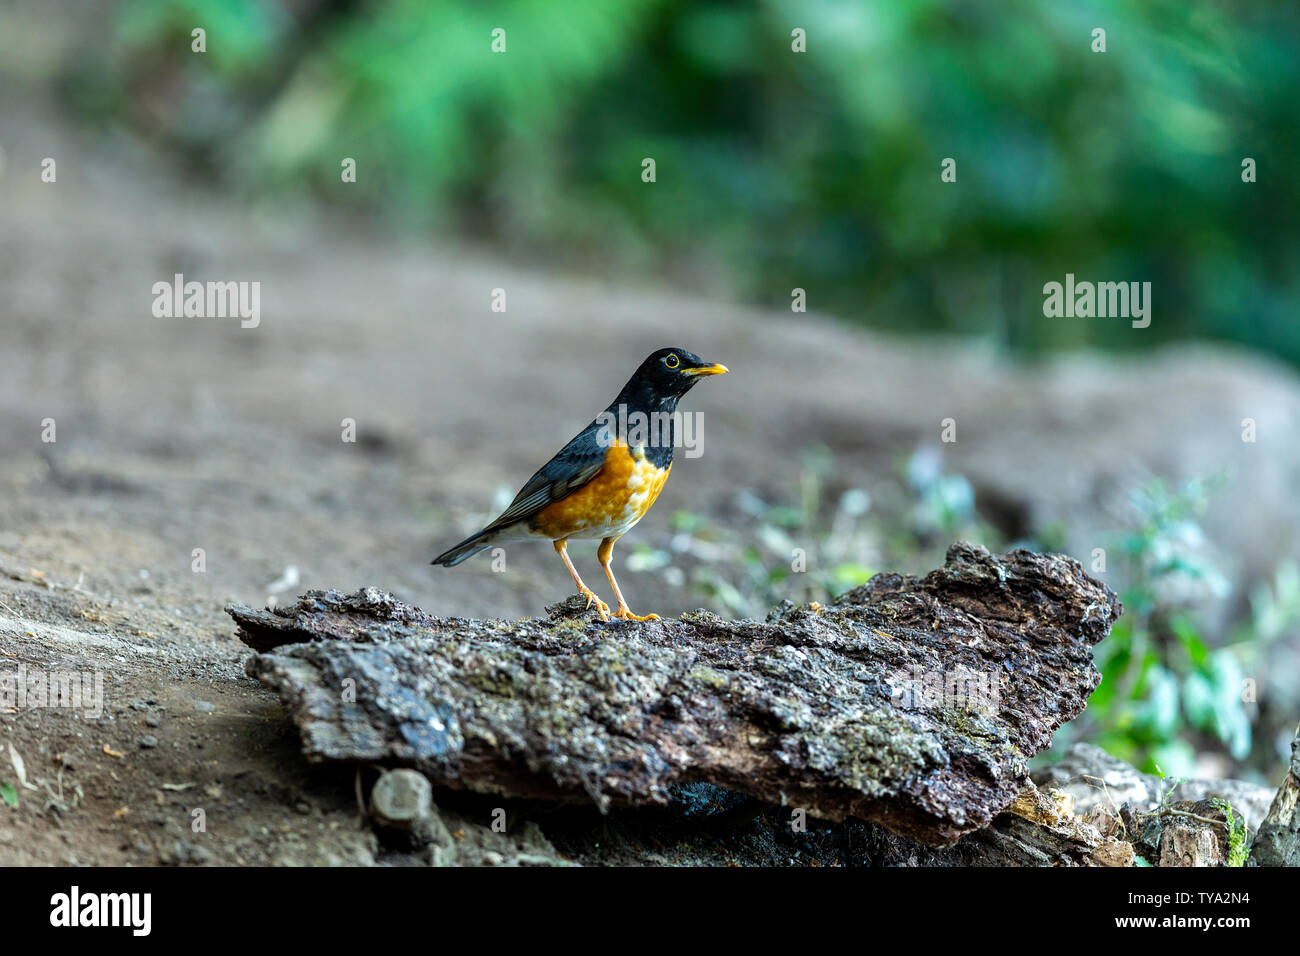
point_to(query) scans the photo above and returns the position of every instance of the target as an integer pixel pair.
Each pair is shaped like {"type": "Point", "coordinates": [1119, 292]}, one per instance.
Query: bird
{"type": "Point", "coordinates": [605, 479]}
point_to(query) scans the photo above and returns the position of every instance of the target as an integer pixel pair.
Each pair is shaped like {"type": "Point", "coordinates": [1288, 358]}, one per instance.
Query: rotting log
{"type": "Point", "coordinates": [909, 702]}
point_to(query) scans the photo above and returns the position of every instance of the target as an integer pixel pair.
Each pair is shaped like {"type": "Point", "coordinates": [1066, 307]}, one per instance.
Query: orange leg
{"type": "Point", "coordinates": [561, 548]}
{"type": "Point", "coordinates": [604, 553]}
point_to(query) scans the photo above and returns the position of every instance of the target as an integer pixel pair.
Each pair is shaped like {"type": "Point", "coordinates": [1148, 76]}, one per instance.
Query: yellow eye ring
{"type": "Point", "coordinates": [671, 360]}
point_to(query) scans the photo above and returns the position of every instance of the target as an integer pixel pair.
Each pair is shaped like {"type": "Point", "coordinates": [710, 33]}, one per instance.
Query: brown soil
{"type": "Point", "coordinates": [177, 434]}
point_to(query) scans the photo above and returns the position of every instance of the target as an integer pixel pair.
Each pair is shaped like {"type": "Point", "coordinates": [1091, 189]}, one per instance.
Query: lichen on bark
{"type": "Point", "coordinates": [911, 702]}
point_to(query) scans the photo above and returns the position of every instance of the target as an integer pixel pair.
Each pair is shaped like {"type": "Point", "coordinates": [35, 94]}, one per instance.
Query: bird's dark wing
{"type": "Point", "coordinates": [572, 467]}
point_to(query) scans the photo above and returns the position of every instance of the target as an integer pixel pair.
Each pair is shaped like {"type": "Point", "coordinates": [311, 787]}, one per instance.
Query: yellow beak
{"type": "Point", "coordinates": [706, 370]}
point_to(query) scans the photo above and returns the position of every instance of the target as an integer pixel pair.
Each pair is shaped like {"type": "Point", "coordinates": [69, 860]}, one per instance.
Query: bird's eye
{"type": "Point", "coordinates": [671, 360]}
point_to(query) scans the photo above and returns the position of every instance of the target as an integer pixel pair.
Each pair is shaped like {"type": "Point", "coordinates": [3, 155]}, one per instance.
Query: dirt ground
{"type": "Point", "coordinates": [172, 435]}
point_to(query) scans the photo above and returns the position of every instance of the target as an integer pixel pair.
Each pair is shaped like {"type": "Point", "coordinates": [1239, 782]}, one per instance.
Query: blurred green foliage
{"type": "Point", "coordinates": [776, 170]}
{"type": "Point", "coordinates": [1165, 693]}
{"type": "Point", "coordinates": [829, 540]}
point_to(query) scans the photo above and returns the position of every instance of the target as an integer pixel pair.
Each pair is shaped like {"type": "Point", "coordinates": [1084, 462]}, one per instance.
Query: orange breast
{"type": "Point", "coordinates": [608, 505]}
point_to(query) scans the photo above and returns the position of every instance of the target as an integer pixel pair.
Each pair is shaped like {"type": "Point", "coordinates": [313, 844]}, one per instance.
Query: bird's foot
{"type": "Point", "coordinates": [593, 598]}
{"type": "Point", "coordinates": [626, 614]}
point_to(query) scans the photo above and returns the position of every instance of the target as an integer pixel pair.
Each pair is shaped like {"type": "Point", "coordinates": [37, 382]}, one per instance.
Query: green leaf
{"type": "Point", "coordinates": [688, 521]}
{"type": "Point", "coordinates": [1177, 758]}
{"type": "Point", "coordinates": [1158, 713]}
{"type": "Point", "coordinates": [1190, 640]}
{"type": "Point", "coordinates": [1198, 701]}
{"type": "Point", "coordinates": [851, 575]}
{"type": "Point", "coordinates": [1112, 670]}
{"type": "Point", "coordinates": [785, 517]}
{"type": "Point", "coordinates": [1231, 723]}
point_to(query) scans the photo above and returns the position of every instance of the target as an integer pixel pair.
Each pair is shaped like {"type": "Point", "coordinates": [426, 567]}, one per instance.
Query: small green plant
{"type": "Point", "coordinates": [1238, 844]}
{"type": "Point", "coordinates": [808, 549]}
{"type": "Point", "coordinates": [1161, 682]}
{"type": "Point", "coordinates": [1237, 833]}
{"type": "Point", "coordinates": [824, 541]}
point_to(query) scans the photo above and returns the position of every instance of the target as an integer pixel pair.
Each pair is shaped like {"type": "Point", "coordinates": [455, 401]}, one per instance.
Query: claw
{"type": "Point", "coordinates": [626, 614]}
{"type": "Point", "coordinates": [601, 607]}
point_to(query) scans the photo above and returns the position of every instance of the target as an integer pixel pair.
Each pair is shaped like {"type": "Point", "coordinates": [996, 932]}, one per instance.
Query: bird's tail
{"type": "Point", "coordinates": [479, 541]}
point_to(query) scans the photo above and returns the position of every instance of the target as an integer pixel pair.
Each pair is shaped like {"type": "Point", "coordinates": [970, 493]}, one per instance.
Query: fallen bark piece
{"type": "Point", "coordinates": [1095, 779]}
{"type": "Point", "coordinates": [1039, 828]}
{"type": "Point", "coordinates": [1118, 853]}
{"type": "Point", "coordinates": [911, 702]}
{"type": "Point", "coordinates": [1278, 840]}
{"type": "Point", "coordinates": [1191, 842]}
{"type": "Point", "coordinates": [1193, 833]}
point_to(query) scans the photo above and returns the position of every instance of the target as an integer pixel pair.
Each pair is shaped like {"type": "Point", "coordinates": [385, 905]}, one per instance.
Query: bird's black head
{"type": "Point", "coordinates": [664, 377]}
